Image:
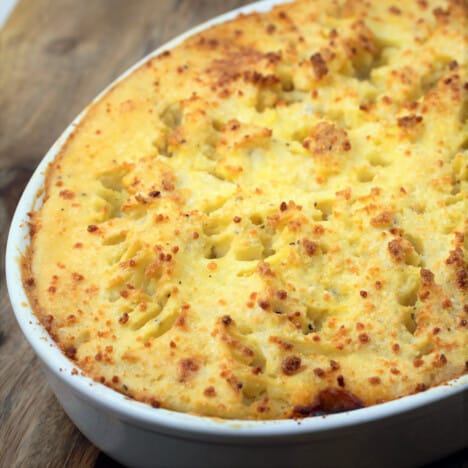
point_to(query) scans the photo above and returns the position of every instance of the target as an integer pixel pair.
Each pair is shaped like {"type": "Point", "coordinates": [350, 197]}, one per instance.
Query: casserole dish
{"type": "Point", "coordinates": [401, 432]}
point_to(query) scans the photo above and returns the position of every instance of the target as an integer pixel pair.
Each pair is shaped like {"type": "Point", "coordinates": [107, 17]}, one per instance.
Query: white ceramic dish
{"type": "Point", "coordinates": [406, 432]}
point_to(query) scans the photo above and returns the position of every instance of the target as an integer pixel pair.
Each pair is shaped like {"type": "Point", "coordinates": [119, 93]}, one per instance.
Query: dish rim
{"type": "Point", "coordinates": [141, 414]}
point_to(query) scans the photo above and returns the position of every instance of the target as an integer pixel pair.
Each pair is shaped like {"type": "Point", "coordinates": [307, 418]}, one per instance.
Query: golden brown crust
{"type": "Point", "coordinates": [269, 220]}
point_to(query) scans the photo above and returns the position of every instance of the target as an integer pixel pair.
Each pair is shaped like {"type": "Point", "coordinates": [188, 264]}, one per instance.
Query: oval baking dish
{"type": "Point", "coordinates": [406, 432]}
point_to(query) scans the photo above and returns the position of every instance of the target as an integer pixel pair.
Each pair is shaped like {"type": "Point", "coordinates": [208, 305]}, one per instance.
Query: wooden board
{"type": "Point", "coordinates": [55, 56]}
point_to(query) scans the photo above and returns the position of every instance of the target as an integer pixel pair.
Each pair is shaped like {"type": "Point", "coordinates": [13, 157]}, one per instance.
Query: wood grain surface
{"type": "Point", "coordinates": [55, 56]}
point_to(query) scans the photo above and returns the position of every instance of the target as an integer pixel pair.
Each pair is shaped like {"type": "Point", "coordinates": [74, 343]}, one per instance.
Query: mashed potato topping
{"type": "Point", "coordinates": [269, 220]}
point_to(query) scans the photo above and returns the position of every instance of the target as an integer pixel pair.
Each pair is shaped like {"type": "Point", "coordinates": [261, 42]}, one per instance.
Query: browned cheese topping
{"type": "Point", "coordinates": [270, 220]}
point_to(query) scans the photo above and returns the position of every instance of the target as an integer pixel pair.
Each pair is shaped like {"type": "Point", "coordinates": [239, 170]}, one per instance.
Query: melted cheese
{"type": "Point", "coordinates": [269, 220]}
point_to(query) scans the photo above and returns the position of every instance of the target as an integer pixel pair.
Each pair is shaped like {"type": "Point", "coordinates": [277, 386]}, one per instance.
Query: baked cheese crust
{"type": "Point", "coordinates": [269, 220]}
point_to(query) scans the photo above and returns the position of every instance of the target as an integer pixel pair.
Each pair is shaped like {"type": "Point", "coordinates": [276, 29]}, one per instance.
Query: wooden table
{"type": "Point", "coordinates": [55, 56]}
